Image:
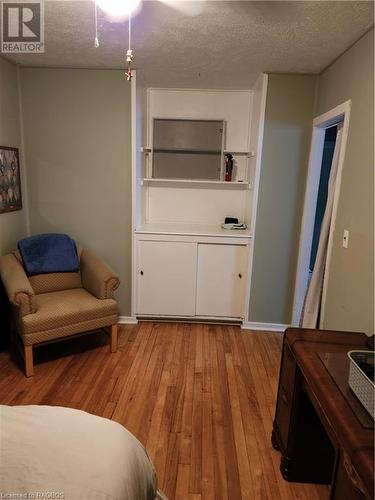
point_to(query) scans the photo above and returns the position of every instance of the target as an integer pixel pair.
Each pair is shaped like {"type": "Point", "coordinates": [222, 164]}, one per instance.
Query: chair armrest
{"type": "Point", "coordinates": [17, 284]}
{"type": "Point", "coordinates": [97, 277]}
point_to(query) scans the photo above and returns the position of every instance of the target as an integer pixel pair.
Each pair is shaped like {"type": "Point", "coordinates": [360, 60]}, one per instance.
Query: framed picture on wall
{"type": "Point", "coordinates": [10, 180]}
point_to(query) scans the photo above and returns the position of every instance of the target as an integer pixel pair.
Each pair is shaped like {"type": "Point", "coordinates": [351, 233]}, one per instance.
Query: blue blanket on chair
{"type": "Point", "coordinates": [49, 253]}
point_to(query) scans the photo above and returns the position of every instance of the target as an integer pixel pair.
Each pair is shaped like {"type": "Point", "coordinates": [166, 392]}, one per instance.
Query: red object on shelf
{"type": "Point", "coordinates": [228, 167]}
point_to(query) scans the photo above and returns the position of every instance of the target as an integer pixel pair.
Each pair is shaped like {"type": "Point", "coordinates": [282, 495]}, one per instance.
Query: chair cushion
{"type": "Point", "coordinates": [66, 308]}
{"type": "Point", "coordinates": [55, 282]}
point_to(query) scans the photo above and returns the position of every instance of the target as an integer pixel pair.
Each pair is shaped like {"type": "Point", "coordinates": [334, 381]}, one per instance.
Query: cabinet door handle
{"type": "Point", "coordinates": [141, 273]}
{"type": "Point", "coordinates": [240, 275]}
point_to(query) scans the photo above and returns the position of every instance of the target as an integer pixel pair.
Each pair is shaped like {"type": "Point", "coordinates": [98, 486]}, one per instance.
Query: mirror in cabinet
{"type": "Point", "coordinates": [188, 149]}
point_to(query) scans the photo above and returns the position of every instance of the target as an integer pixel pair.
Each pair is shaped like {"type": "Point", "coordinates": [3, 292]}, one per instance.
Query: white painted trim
{"type": "Point", "coordinates": [196, 237]}
{"type": "Point", "coordinates": [127, 320]}
{"type": "Point", "coordinates": [199, 90]}
{"type": "Point", "coordinates": [346, 107]}
{"type": "Point", "coordinates": [264, 327]}
{"type": "Point", "coordinates": [148, 131]}
{"type": "Point", "coordinates": [133, 105]}
{"type": "Point", "coordinates": [320, 123]}
{"type": "Point", "coordinates": [245, 305]}
{"type": "Point", "coordinates": [256, 192]}
{"type": "Point", "coordinates": [25, 190]}
{"type": "Point", "coordinates": [333, 115]}
{"type": "Point", "coordinates": [308, 219]}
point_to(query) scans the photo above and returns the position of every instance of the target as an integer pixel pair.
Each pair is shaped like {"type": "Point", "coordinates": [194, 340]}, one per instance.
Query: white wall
{"type": "Point", "coordinates": [204, 205]}
{"type": "Point", "coordinates": [141, 139]}
{"type": "Point", "coordinates": [232, 106]}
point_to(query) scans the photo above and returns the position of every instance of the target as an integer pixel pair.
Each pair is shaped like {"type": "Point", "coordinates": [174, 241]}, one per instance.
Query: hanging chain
{"type": "Point", "coordinates": [129, 55]}
{"type": "Point", "coordinates": [129, 52]}
{"type": "Point", "coordinates": [96, 41]}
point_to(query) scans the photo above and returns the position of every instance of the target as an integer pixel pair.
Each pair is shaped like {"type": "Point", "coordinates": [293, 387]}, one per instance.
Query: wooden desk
{"type": "Point", "coordinates": [320, 438]}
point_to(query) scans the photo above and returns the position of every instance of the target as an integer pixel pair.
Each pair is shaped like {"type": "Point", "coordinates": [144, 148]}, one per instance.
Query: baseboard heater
{"type": "Point", "coordinates": [188, 319]}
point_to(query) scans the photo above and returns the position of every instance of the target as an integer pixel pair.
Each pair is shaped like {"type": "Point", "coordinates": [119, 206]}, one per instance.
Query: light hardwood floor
{"type": "Point", "coordinates": [199, 397]}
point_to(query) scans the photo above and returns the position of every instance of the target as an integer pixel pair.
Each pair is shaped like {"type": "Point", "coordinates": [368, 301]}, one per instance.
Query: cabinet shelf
{"type": "Point", "coordinates": [195, 182]}
{"type": "Point", "coordinates": [149, 150]}
{"type": "Point", "coordinates": [189, 151]}
{"type": "Point", "coordinates": [197, 231]}
{"type": "Point", "coordinates": [249, 154]}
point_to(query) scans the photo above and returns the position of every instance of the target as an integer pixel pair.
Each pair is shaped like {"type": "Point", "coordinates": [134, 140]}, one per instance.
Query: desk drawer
{"type": "Point", "coordinates": [288, 370]}
{"type": "Point", "coordinates": [283, 415]}
{"type": "Point", "coordinates": [285, 395]}
{"type": "Point", "coordinates": [347, 483]}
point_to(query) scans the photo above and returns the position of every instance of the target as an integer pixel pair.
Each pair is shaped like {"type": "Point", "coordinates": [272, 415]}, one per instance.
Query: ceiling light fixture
{"type": "Point", "coordinates": [118, 8]}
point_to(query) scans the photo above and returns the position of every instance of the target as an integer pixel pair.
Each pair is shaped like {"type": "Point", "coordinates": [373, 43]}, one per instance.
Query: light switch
{"type": "Point", "coordinates": [345, 238]}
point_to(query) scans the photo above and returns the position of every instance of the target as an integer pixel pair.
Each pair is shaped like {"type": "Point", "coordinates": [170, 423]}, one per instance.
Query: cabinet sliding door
{"type": "Point", "coordinates": [166, 278]}
{"type": "Point", "coordinates": [221, 278]}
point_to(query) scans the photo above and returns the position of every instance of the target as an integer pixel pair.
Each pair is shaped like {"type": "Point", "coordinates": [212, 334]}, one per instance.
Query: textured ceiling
{"type": "Point", "coordinates": [225, 45]}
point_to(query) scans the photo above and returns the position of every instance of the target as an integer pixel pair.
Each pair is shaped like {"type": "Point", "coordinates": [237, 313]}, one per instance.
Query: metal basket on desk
{"type": "Point", "coordinates": [362, 381]}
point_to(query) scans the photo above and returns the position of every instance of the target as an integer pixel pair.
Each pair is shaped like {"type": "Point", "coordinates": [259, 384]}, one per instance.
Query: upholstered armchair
{"type": "Point", "coordinates": [54, 306]}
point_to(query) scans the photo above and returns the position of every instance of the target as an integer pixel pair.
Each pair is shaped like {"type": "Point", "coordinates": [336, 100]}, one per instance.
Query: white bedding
{"type": "Point", "coordinates": [56, 452]}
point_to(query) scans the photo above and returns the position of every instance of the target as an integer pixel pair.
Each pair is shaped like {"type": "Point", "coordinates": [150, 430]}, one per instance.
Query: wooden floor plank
{"type": "Point", "coordinates": [200, 398]}
{"type": "Point", "coordinates": [229, 448]}
{"type": "Point", "coordinates": [247, 482]}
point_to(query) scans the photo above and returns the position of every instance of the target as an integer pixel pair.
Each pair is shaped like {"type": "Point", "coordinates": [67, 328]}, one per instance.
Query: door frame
{"type": "Point", "coordinates": [340, 113]}
{"type": "Point", "coordinates": [134, 147]}
{"type": "Point", "coordinates": [258, 124]}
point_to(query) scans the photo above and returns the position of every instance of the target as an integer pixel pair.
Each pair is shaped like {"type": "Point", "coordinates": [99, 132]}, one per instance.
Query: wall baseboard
{"type": "Point", "coordinates": [264, 327]}
{"type": "Point", "coordinates": [127, 320]}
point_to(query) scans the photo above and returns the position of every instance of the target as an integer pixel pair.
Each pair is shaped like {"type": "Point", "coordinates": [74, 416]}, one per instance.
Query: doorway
{"type": "Point", "coordinates": [328, 150]}
{"type": "Point", "coordinates": [323, 144]}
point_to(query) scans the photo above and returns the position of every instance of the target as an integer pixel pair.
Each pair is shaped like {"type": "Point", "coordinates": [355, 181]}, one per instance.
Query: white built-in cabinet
{"type": "Point", "coordinates": [190, 276]}
{"type": "Point", "coordinates": [184, 264]}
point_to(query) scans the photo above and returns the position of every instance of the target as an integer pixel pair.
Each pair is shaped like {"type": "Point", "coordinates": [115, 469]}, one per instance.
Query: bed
{"type": "Point", "coordinates": [61, 453]}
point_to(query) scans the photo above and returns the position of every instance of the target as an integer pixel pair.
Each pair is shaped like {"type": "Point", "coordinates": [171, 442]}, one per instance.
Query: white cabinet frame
{"type": "Point", "coordinates": [141, 144]}
{"type": "Point", "coordinates": [196, 240]}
